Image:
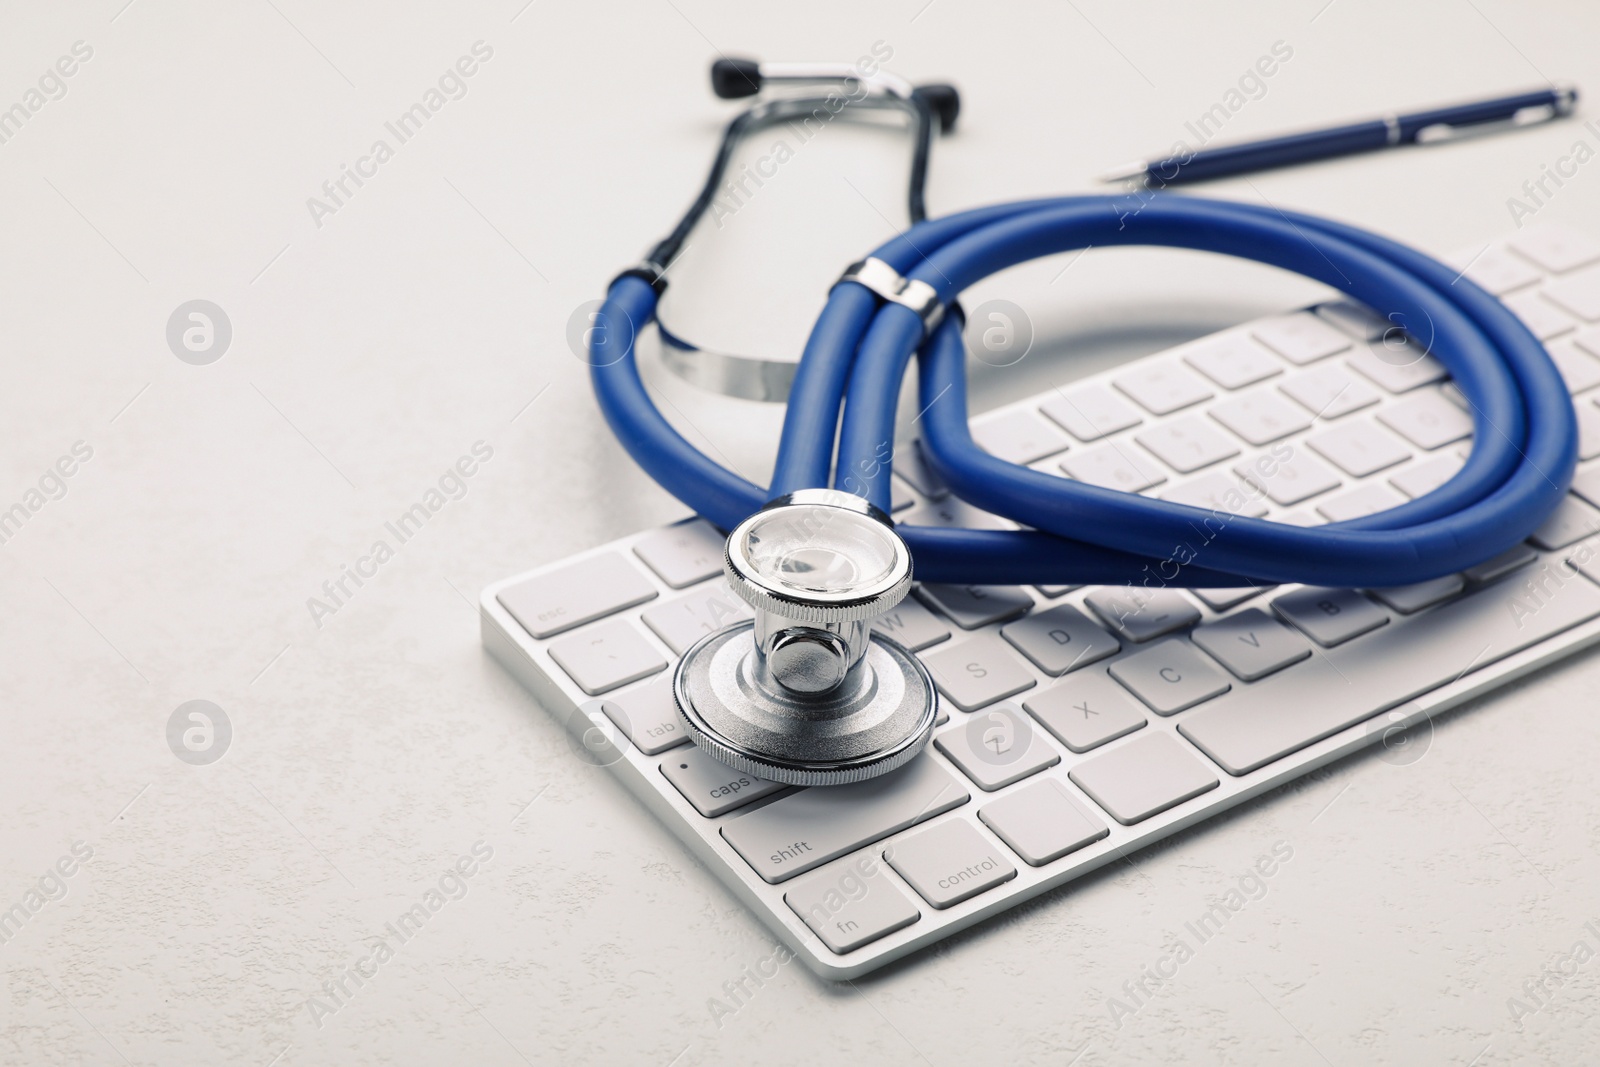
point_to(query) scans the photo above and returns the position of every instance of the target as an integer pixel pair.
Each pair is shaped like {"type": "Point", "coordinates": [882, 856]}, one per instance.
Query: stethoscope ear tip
{"type": "Point", "coordinates": [944, 101]}
{"type": "Point", "coordinates": [732, 79]}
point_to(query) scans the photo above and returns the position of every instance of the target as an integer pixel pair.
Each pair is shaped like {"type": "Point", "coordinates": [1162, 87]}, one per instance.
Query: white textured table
{"type": "Point", "coordinates": [215, 912]}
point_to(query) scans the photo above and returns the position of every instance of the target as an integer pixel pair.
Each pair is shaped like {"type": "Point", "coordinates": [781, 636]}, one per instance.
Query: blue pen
{"type": "Point", "coordinates": [1421, 127]}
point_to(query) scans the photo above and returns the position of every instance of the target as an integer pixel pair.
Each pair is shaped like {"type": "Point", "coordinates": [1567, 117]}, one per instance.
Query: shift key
{"type": "Point", "coordinates": [805, 830]}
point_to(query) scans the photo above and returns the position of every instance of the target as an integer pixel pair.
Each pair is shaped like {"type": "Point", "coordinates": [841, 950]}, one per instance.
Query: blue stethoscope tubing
{"type": "Point", "coordinates": [1525, 439]}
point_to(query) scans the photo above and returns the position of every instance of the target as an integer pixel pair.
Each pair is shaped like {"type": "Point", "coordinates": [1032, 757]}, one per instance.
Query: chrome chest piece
{"type": "Point", "coordinates": [806, 693]}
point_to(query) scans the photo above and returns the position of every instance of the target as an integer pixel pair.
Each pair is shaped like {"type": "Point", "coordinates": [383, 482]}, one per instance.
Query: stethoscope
{"type": "Point", "coordinates": [807, 692]}
{"type": "Point", "coordinates": [851, 91]}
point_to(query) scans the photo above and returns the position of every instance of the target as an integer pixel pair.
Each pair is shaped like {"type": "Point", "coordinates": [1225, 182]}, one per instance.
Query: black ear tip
{"type": "Point", "coordinates": [733, 78]}
{"type": "Point", "coordinates": [944, 101]}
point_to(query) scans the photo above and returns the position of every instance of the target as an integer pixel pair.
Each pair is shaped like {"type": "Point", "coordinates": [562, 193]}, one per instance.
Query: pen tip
{"type": "Point", "coordinates": [1126, 172]}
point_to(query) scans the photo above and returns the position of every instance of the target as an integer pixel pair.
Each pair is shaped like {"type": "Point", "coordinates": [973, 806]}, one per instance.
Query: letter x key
{"type": "Point", "coordinates": [1086, 709]}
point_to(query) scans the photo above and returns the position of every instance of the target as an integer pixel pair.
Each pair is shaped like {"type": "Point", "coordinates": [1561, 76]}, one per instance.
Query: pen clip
{"type": "Point", "coordinates": [1528, 116]}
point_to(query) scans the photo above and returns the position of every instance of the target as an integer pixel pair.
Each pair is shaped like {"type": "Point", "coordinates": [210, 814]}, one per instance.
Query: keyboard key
{"type": "Point", "coordinates": [1427, 420]}
{"type": "Point", "coordinates": [1257, 724]}
{"type": "Point", "coordinates": [1260, 417]}
{"type": "Point", "coordinates": [949, 863]}
{"type": "Point", "coordinates": [1586, 483]}
{"type": "Point", "coordinates": [1359, 502]}
{"type": "Point", "coordinates": [1218, 492]}
{"type": "Point", "coordinates": [1162, 386]}
{"type": "Point", "coordinates": [1539, 315]}
{"type": "Point", "coordinates": [1423, 478]}
{"type": "Point", "coordinates": [851, 903]}
{"type": "Point", "coordinates": [1086, 710]}
{"type": "Point", "coordinates": [1359, 448]}
{"type": "Point", "coordinates": [973, 606]}
{"type": "Point", "coordinates": [648, 716]}
{"type": "Point", "coordinates": [1495, 269]}
{"type": "Point", "coordinates": [686, 619]}
{"type": "Point", "coordinates": [1300, 338]}
{"type": "Point", "coordinates": [1232, 362]}
{"type": "Point", "coordinates": [1577, 293]}
{"type": "Point", "coordinates": [1060, 639]}
{"type": "Point", "coordinates": [577, 593]}
{"type": "Point", "coordinates": [912, 465]}
{"type": "Point", "coordinates": [1555, 249]}
{"type": "Point", "coordinates": [912, 625]}
{"type": "Point", "coordinates": [1585, 559]}
{"type": "Point", "coordinates": [1578, 369]}
{"type": "Point", "coordinates": [1588, 429]}
{"type": "Point", "coordinates": [1091, 412]}
{"type": "Point", "coordinates": [1291, 480]}
{"type": "Point", "coordinates": [954, 512]}
{"type": "Point", "coordinates": [1170, 676]}
{"type": "Point", "coordinates": [1251, 644]}
{"type": "Point", "coordinates": [1053, 591]}
{"type": "Point", "coordinates": [1141, 614]}
{"type": "Point", "coordinates": [1329, 392]}
{"type": "Point", "coordinates": [713, 787]}
{"type": "Point", "coordinates": [1410, 599]}
{"type": "Point", "coordinates": [978, 671]}
{"type": "Point", "coordinates": [796, 833]}
{"type": "Point", "coordinates": [1042, 822]}
{"type": "Point", "coordinates": [1143, 777]}
{"type": "Point", "coordinates": [1398, 365]}
{"type": "Point", "coordinates": [1588, 340]}
{"type": "Point", "coordinates": [1223, 599]}
{"type": "Point", "coordinates": [997, 747]}
{"type": "Point", "coordinates": [683, 554]}
{"type": "Point", "coordinates": [1114, 466]}
{"type": "Point", "coordinates": [1357, 320]}
{"type": "Point", "coordinates": [1187, 444]}
{"type": "Point", "coordinates": [1330, 616]}
{"type": "Point", "coordinates": [900, 496]}
{"type": "Point", "coordinates": [1571, 522]}
{"type": "Point", "coordinates": [1499, 566]}
{"type": "Point", "coordinates": [1018, 437]}
{"type": "Point", "coordinates": [606, 657]}
{"type": "Point", "coordinates": [1451, 391]}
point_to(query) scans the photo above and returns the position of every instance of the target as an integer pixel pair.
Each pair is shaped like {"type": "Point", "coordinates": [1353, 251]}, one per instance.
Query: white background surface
{"type": "Point", "coordinates": [372, 351]}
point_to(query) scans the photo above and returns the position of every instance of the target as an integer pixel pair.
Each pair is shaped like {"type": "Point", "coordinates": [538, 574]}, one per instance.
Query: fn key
{"type": "Point", "coordinates": [851, 903]}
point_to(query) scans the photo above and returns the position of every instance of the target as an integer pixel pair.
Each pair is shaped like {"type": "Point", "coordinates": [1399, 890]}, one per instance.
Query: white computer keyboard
{"type": "Point", "coordinates": [1080, 724]}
